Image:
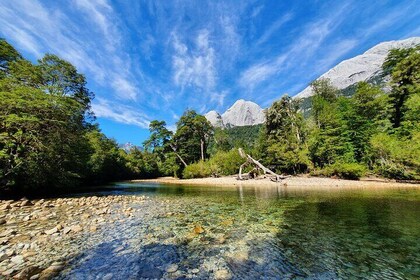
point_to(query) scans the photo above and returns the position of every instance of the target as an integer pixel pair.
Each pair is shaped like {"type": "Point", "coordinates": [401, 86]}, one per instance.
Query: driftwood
{"type": "Point", "coordinates": [258, 166]}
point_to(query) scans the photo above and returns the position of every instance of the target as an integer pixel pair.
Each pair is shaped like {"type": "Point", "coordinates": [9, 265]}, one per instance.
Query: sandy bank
{"type": "Point", "coordinates": [294, 181]}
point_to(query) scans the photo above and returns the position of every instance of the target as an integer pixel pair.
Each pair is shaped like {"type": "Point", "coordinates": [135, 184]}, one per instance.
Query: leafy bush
{"type": "Point", "coordinates": [199, 169]}
{"type": "Point", "coordinates": [352, 171]}
{"type": "Point", "coordinates": [222, 163]}
{"type": "Point", "coordinates": [397, 157]}
{"type": "Point", "coordinates": [226, 163]}
{"type": "Point", "coordinates": [394, 171]}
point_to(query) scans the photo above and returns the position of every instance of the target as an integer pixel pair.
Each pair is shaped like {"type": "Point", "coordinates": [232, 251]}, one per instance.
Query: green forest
{"type": "Point", "coordinates": [49, 139]}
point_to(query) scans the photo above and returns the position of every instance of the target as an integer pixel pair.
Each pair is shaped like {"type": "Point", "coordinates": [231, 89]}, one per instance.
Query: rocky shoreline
{"type": "Point", "coordinates": [38, 238]}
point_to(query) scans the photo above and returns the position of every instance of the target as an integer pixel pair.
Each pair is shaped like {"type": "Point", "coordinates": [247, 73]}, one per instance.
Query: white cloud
{"type": "Point", "coordinates": [298, 52]}
{"type": "Point", "coordinates": [124, 88]}
{"type": "Point", "coordinates": [274, 28]}
{"type": "Point", "coordinates": [101, 13]}
{"type": "Point", "coordinates": [258, 73]}
{"type": "Point", "coordinates": [219, 97]}
{"type": "Point", "coordinates": [256, 11]}
{"type": "Point", "coordinates": [120, 113]}
{"type": "Point", "coordinates": [195, 67]}
{"type": "Point", "coordinates": [39, 29]}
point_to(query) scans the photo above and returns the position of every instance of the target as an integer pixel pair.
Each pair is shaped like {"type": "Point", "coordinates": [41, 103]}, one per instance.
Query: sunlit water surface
{"type": "Point", "coordinates": [259, 233]}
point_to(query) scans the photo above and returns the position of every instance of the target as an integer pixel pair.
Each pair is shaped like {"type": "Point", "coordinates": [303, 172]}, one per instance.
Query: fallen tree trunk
{"type": "Point", "coordinates": [258, 165]}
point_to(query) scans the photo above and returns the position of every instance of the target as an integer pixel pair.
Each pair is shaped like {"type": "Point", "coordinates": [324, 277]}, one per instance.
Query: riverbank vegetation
{"type": "Point", "coordinates": [370, 132]}
{"type": "Point", "coordinates": [48, 136]}
{"type": "Point", "coordinates": [49, 139]}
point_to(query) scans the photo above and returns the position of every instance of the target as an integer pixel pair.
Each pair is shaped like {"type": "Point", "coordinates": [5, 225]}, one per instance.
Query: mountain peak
{"type": "Point", "coordinates": [241, 113]}
{"type": "Point", "coordinates": [360, 68]}
{"type": "Point", "coordinates": [214, 118]}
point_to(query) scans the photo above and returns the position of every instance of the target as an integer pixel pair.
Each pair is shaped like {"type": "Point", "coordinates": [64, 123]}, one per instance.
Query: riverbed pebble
{"type": "Point", "coordinates": [36, 235]}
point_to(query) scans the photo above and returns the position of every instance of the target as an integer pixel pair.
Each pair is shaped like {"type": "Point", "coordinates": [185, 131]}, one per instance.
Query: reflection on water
{"type": "Point", "coordinates": [254, 232]}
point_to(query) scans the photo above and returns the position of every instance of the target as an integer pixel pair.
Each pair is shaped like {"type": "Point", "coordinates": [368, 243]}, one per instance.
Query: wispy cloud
{"type": "Point", "coordinates": [274, 28]}
{"type": "Point", "coordinates": [120, 113]}
{"type": "Point", "coordinates": [257, 73]}
{"type": "Point", "coordinates": [196, 66]}
{"type": "Point", "coordinates": [156, 58]}
{"type": "Point", "coordinates": [40, 29]}
{"type": "Point", "coordinates": [124, 88]}
{"type": "Point", "coordinates": [101, 13]}
{"type": "Point", "coordinates": [219, 97]}
{"type": "Point", "coordinates": [298, 52]}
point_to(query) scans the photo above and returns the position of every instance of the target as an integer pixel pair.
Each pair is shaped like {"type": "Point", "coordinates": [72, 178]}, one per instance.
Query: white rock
{"type": "Point", "coordinates": [215, 119]}
{"type": "Point", "coordinates": [241, 113]}
{"type": "Point", "coordinates": [17, 259]}
{"type": "Point", "coordinates": [362, 67]}
{"type": "Point", "coordinates": [51, 231]}
{"type": "Point", "coordinates": [172, 268]}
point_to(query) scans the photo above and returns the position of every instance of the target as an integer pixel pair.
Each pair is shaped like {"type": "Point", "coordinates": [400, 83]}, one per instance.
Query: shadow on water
{"type": "Point", "coordinates": [152, 261]}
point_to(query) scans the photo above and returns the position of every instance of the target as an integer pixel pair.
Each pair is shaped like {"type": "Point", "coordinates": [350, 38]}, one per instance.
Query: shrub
{"type": "Point", "coordinates": [397, 156]}
{"type": "Point", "coordinates": [352, 171]}
{"type": "Point", "coordinates": [394, 171]}
{"type": "Point", "coordinates": [226, 163]}
{"type": "Point", "coordinates": [199, 169]}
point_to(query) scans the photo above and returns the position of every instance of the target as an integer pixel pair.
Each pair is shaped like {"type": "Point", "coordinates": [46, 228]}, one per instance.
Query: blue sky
{"type": "Point", "coordinates": [147, 60]}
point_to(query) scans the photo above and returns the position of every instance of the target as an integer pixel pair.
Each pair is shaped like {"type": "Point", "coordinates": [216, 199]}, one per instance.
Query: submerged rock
{"type": "Point", "coordinates": [222, 274]}
{"type": "Point", "coordinates": [198, 229]}
{"type": "Point", "coordinates": [172, 268]}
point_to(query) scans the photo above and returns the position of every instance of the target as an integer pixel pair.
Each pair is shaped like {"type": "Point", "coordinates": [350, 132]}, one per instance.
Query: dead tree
{"type": "Point", "coordinates": [258, 165]}
{"type": "Point", "coordinates": [180, 158]}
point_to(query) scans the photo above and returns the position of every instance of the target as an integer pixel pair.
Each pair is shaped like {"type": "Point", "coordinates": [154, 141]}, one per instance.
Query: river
{"type": "Point", "coordinates": [268, 233]}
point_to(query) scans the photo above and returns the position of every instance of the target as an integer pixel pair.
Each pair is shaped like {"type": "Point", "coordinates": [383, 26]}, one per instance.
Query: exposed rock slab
{"type": "Point", "coordinates": [363, 67]}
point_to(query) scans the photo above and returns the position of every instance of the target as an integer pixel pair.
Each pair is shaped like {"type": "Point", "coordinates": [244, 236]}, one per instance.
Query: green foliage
{"type": "Point", "coordinates": [143, 164]}
{"type": "Point", "coordinates": [244, 136]}
{"type": "Point", "coordinates": [170, 166]}
{"type": "Point", "coordinates": [192, 136]}
{"type": "Point", "coordinates": [329, 140]}
{"type": "Point", "coordinates": [352, 171]}
{"type": "Point", "coordinates": [405, 81]}
{"type": "Point", "coordinates": [282, 142]}
{"type": "Point", "coordinates": [222, 163]}
{"type": "Point", "coordinates": [46, 138]}
{"type": "Point", "coordinates": [41, 138]}
{"type": "Point", "coordinates": [225, 139]}
{"type": "Point", "coordinates": [8, 54]}
{"type": "Point", "coordinates": [226, 163]}
{"type": "Point", "coordinates": [365, 115]}
{"type": "Point", "coordinates": [159, 137]}
{"type": "Point", "coordinates": [107, 162]}
{"type": "Point", "coordinates": [397, 157]}
{"type": "Point", "coordinates": [199, 169]}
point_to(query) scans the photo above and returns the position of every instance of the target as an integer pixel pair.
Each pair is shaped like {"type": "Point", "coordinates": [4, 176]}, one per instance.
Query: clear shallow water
{"type": "Point", "coordinates": [251, 233]}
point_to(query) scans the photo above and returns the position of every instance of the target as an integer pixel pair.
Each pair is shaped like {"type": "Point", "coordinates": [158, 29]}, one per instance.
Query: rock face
{"type": "Point", "coordinates": [241, 113]}
{"type": "Point", "coordinates": [363, 67]}
{"type": "Point", "coordinates": [215, 119]}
